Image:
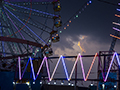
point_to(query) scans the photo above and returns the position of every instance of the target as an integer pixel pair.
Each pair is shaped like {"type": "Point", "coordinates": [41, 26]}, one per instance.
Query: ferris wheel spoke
{"type": "Point", "coordinates": [25, 25]}
{"type": "Point", "coordinates": [44, 23]}
{"type": "Point", "coordinates": [17, 43]}
{"type": "Point", "coordinates": [37, 26]}
{"type": "Point", "coordinates": [15, 26]}
{"type": "Point", "coordinates": [20, 46]}
{"type": "Point", "coordinates": [19, 33]}
{"type": "Point", "coordinates": [9, 7]}
{"type": "Point", "coordinates": [31, 9]}
{"type": "Point", "coordinates": [35, 14]}
{"type": "Point", "coordinates": [2, 43]}
{"type": "Point", "coordinates": [5, 21]}
{"type": "Point", "coordinates": [28, 33]}
{"type": "Point", "coordinates": [9, 46]}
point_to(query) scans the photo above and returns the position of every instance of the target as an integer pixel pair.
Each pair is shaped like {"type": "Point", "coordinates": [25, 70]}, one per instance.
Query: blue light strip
{"type": "Point", "coordinates": [25, 25]}
{"type": "Point", "coordinates": [25, 67]}
{"type": "Point", "coordinates": [66, 72]}
{"type": "Point", "coordinates": [118, 9]}
{"type": "Point", "coordinates": [32, 68]}
{"type": "Point", "coordinates": [31, 9]}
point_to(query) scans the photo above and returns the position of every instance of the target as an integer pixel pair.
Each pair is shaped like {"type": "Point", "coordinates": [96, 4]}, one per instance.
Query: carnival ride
{"type": "Point", "coordinates": [28, 32]}
{"type": "Point", "coordinates": [28, 28]}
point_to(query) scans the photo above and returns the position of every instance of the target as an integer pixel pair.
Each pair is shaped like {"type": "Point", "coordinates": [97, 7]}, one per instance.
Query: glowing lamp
{"type": "Point", "coordinates": [91, 84]}
{"type": "Point", "coordinates": [28, 83]}
{"type": "Point", "coordinates": [103, 86]}
{"type": "Point", "coordinates": [70, 21]}
{"type": "Point", "coordinates": [41, 82]}
{"type": "Point", "coordinates": [115, 86]}
{"type": "Point", "coordinates": [54, 82]}
{"type": "Point", "coordinates": [76, 15]}
{"type": "Point", "coordinates": [13, 83]}
{"type": "Point", "coordinates": [62, 83]}
{"type": "Point", "coordinates": [37, 50]}
{"type": "Point", "coordinates": [33, 82]}
{"type": "Point", "coordinates": [69, 83]}
{"type": "Point", "coordinates": [72, 84]}
{"type": "Point", "coordinates": [90, 1]}
{"type": "Point", "coordinates": [64, 27]}
{"type": "Point", "coordinates": [48, 83]}
{"type": "Point", "coordinates": [49, 40]}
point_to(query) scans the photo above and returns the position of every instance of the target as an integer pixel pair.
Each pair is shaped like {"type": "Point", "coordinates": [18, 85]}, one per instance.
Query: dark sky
{"type": "Point", "coordinates": [94, 24]}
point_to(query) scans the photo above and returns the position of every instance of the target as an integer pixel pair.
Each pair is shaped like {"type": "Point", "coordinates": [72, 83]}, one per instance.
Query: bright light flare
{"type": "Point", "coordinates": [116, 23]}
{"type": "Point", "coordinates": [114, 36]}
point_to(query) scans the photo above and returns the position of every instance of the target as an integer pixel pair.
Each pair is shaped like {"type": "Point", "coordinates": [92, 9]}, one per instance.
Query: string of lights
{"type": "Point", "coordinates": [79, 57]}
{"type": "Point", "coordinates": [75, 15]}
{"type": "Point", "coordinates": [30, 9]}
{"type": "Point", "coordinates": [25, 25]}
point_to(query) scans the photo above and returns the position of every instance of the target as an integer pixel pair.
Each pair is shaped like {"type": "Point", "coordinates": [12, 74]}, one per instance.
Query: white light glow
{"type": "Point", "coordinates": [28, 83]}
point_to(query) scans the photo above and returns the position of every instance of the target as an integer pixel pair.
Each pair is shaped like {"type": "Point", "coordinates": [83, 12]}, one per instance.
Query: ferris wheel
{"type": "Point", "coordinates": [27, 27]}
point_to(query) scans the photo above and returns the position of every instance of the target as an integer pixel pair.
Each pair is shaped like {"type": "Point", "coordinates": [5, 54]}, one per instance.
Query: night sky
{"type": "Point", "coordinates": [92, 28]}
{"type": "Point", "coordinates": [95, 23]}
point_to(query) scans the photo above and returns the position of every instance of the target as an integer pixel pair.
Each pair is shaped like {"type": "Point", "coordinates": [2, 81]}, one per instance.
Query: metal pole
{"type": "Point", "coordinates": [75, 88]}
{"type": "Point", "coordinates": [119, 79]}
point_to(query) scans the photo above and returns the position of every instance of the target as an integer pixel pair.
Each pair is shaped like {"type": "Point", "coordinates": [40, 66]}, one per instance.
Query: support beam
{"type": "Point", "coordinates": [9, 39]}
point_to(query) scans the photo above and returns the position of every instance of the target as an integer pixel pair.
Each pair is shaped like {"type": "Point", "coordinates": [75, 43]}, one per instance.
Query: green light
{"type": "Point", "coordinates": [49, 40]}
{"type": "Point", "coordinates": [37, 50]}
{"type": "Point", "coordinates": [33, 53]}
{"type": "Point", "coordinates": [60, 31]}
{"type": "Point", "coordinates": [76, 15]}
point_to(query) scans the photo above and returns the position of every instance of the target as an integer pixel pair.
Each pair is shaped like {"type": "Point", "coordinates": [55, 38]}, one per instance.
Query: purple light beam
{"type": "Point", "coordinates": [115, 54]}
{"type": "Point", "coordinates": [44, 60]}
{"type": "Point", "coordinates": [19, 68]}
